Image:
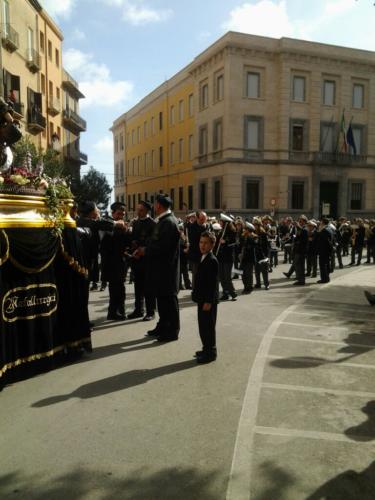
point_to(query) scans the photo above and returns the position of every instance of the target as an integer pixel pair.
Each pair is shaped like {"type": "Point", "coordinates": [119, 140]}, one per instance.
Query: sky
{"type": "Point", "coordinates": [120, 50]}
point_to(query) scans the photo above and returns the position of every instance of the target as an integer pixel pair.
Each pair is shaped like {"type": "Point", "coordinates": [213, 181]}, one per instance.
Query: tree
{"type": "Point", "coordinates": [94, 187]}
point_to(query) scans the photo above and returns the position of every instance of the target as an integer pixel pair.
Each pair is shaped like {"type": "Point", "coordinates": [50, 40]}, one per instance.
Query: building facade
{"type": "Point", "coordinates": [261, 131]}
{"type": "Point", "coordinates": [34, 80]}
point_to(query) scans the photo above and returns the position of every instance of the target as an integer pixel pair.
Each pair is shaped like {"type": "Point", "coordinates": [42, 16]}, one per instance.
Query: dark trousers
{"type": "Point", "coordinates": [339, 255]}
{"type": "Point", "coordinates": [274, 257]}
{"type": "Point", "coordinates": [169, 315]}
{"type": "Point", "coordinates": [299, 266]}
{"type": "Point", "coordinates": [312, 264]}
{"type": "Point", "coordinates": [225, 275]}
{"type": "Point", "coordinates": [324, 266]}
{"type": "Point", "coordinates": [116, 288]}
{"type": "Point", "coordinates": [248, 275]}
{"type": "Point", "coordinates": [287, 254]}
{"type": "Point", "coordinates": [358, 251]}
{"type": "Point", "coordinates": [207, 326]}
{"type": "Point", "coordinates": [184, 273]}
{"type": "Point", "coordinates": [261, 269]}
{"type": "Point", "coordinates": [194, 268]}
{"type": "Point", "coordinates": [139, 276]}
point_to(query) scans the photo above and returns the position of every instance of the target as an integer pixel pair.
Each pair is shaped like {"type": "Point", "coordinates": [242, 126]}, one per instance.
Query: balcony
{"type": "Point", "coordinates": [324, 158]}
{"type": "Point", "coordinates": [18, 110]}
{"type": "Point", "coordinates": [9, 38]}
{"type": "Point", "coordinates": [72, 153]}
{"type": "Point", "coordinates": [54, 106]}
{"type": "Point", "coordinates": [36, 122]}
{"type": "Point", "coordinates": [33, 60]}
{"type": "Point", "coordinates": [73, 121]}
{"type": "Point", "coordinates": [71, 85]}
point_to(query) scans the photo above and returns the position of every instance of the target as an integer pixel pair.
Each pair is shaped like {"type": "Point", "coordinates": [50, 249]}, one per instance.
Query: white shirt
{"type": "Point", "coordinates": [204, 256]}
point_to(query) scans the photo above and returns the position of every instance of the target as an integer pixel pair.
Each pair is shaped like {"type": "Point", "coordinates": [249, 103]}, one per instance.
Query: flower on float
{"type": "Point", "coordinates": [43, 184]}
{"type": "Point", "coordinates": [19, 179]}
{"type": "Point", "coordinates": [1, 180]}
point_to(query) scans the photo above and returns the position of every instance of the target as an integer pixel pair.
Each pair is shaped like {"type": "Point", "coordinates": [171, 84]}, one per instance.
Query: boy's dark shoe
{"type": "Point", "coordinates": [148, 317]}
{"type": "Point", "coordinates": [134, 315]}
{"type": "Point", "coordinates": [116, 317]}
{"type": "Point", "coordinates": [224, 297]}
{"type": "Point", "coordinates": [206, 357]}
{"type": "Point", "coordinates": [234, 297]}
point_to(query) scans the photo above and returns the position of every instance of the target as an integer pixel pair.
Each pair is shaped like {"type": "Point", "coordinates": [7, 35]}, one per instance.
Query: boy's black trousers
{"type": "Point", "coordinates": [207, 326]}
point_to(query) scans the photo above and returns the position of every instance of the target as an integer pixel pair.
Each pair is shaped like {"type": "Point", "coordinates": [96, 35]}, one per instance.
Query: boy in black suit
{"type": "Point", "coordinates": [206, 294]}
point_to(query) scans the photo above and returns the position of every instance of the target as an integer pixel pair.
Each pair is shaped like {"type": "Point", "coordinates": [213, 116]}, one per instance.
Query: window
{"type": "Point", "coordinates": [299, 135]}
{"type": "Point", "coordinates": [134, 201]}
{"type": "Point", "coordinates": [133, 166]}
{"type": "Point", "coordinates": [217, 193]}
{"type": "Point", "coordinates": [161, 120]}
{"type": "Point", "coordinates": [43, 83]}
{"type": "Point", "coordinates": [138, 165]}
{"type": "Point", "coordinates": [358, 136]}
{"type": "Point", "coordinates": [133, 137]}
{"type": "Point", "coordinates": [253, 85]}
{"type": "Point", "coordinates": [160, 156]}
{"type": "Point", "coordinates": [252, 193]}
{"type": "Point", "coordinates": [30, 41]}
{"type": "Point", "coordinates": [145, 130]}
{"type": "Point", "coordinates": [128, 172]}
{"type": "Point", "coordinates": [219, 88]}
{"type": "Point", "coordinates": [181, 198]}
{"type": "Point", "coordinates": [181, 110]}
{"type": "Point", "coordinates": [50, 50]}
{"type": "Point", "coordinates": [41, 41]}
{"type": "Point", "coordinates": [58, 93]}
{"type": "Point", "coordinates": [190, 197]}
{"type": "Point", "coordinates": [122, 142]}
{"type": "Point", "coordinates": [297, 195]}
{"type": "Point", "coordinates": [121, 170]}
{"type": "Point", "coordinates": [152, 125]}
{"type": "Point", "coordinates": [172, 115]}
{"type": "Point", "coordinates": [145, 162]}
{"type": "Point", "coordinates": [34, 102]}
{"type": "Point", "coordinates": [129, 202]}
{"type": "Point", "coordinates": [358, 95]}
{"type": "Point", "coordinates": [191, 105]}
{"type": "Point", "coordinates": [57, 57]}
{"type": "Point", "coordinates": [180, 150]}
{"type": "Point", "coordinates": [327, 137]}
{"type": "Point", "coordinates": [6, 16]}
{"type": "Point", "coordinates": [50, 88]}
{"type": "Point", "coordinates": [172, 197]}
{"type": "Point", "coordinates": [171, 154]}
{"type": "Point", "coordinates": [218, 135]}
{"type": "Point", "coordinates": [116, 173]}
{"type": "Point", "coordinates": [138, 135]}
{"type": "Point", "coordinates": [299, 90]}
{"type": "Point", "coordinates": [203, 146]}
{"type": "Point", "coordinates": [204, 96]}
{"type": "Point", "coordinates": [202, 194]}
{"type": "Point", "coordinates": [253, 135]}
{"type": "Point", "coordinates": [153, 159]}
{"type": "Point", "coordinates": [191, 147]}
{"type": "Point", "coordinates": [329, 93]}
{"type": "Point", "coordinates": [356, 195]}
{"type": "Point", "coordinates": [116, 144]}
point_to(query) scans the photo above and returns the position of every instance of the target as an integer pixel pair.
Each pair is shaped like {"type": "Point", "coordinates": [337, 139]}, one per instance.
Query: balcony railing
{"type": "Point", "coordinates": [54, 106]}
{"type": "Point", "coordinates": [71, 85]}
{"type": "Point", "coordinates": [36, 122]}
{"type": "Point", "coordinates": [19, 109]}
{"type": "Point", "coordinates": [73, 153]}
{"type": "Point", "coordinates": [33, 60]}
{"type": "Point", "coordinates": [83, 158]}
{"type": "Point", "coordinates": [9, 38]}
{"type": "Point", "coordinates": [339, 158]}
{"type": "Point", "coordinates": [73, 120]}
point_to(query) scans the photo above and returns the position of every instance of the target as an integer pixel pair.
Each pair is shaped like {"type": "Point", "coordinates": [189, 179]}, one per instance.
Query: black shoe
{"type": "Point", "coordinates": [298, 283]}
{"type": "Point", "coordinates": [224, 297]}
{"type": "Point", "coordinates": [322, 281]}
{"type": "Point", "coordinates": [116, 317]}
{"type": "Point", "coordinates": [153, 333]}
{"type": "Point", "coordinates": [206, 358]}
{"type": "Point", "coordinates": [234, 297]}
{"type": "Point", "coordinates": [314, 275]}
{"type": "Point", "coordinates": [341, 267]}
{"type": "Point", "coordinates": [258, 286]}
{"type": "Point", "coordinates": [370, 298]}
{"type": "Point", "coordinates": [134, 315]}
{"type": "Point", "coordinates": [188, 287]}
{"type": "Point", "coordinates": [182, 287]}
{"type": "Point", "coordinates": [148, 317]}
{"type": "Point", "coordinates": [267, 287]}
{"type": "Point", "coordinates": [166, 338]}
{"type": "Point", "coordinates": [286, 275]}
{"type": "Point", "coordinates": [93, 287]}
{"type": "Point", "coordinates": [358, 264]}
{"type": "Point", "coordinates": [247, 291]}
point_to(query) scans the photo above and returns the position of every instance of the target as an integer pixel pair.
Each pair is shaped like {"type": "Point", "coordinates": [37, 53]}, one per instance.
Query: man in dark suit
{"type": "Point", "coordinates": [143, 228]}
{"type": "Point", "coordinates": [162, 269]}
{"type": "Point", "coordinates": [206, 294]}
{"type": "Point", "coordinates": [324, 249]}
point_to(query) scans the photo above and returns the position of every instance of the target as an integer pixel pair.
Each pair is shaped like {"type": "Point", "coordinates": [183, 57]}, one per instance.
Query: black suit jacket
{"type": "Point", "coordinates": [163, 258]}
{"type": "Point", "coordinates": [206, 282]}
{"type": "Point", "coordinates": [324, 242]}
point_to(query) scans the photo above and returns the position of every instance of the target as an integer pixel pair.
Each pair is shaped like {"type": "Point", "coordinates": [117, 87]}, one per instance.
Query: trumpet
{"type": "Point", "coordinates": [227, 219]}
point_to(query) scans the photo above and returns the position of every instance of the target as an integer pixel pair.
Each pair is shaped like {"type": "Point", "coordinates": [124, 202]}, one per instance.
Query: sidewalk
{"type": "Point", "coordinates": [140, 420]}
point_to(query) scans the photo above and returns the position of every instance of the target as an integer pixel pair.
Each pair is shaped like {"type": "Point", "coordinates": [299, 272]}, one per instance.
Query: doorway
{"type": "Point", "coordinates": [328, 204]}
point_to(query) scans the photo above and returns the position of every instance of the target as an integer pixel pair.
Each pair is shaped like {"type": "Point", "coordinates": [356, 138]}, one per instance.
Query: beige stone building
{"type": "Point", "coordinates": [266, 127]}
{"type": "Point", "coordinates": [33, 78]}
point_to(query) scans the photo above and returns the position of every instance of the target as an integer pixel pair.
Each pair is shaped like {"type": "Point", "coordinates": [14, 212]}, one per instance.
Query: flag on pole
{"type": "Point", "coordinates": [350, 139]}
{"type": "Point", "coordinates": [344, 146]}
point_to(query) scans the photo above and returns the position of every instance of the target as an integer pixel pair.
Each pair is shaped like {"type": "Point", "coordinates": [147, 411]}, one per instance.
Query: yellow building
{"type": "Point", "coordinates": [263, 134]}
{"type": "Point", "coordinates": [33, 77]}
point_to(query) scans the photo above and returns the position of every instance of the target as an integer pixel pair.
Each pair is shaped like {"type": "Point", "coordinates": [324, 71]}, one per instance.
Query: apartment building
{"type": "Point", "coordinates": [34, 79]}
{"type": "Point", "coordinates": [266, 131]}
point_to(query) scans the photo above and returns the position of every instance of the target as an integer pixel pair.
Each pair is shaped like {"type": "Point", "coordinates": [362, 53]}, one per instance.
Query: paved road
{"type": "Point", "coordinates": [286, 412]}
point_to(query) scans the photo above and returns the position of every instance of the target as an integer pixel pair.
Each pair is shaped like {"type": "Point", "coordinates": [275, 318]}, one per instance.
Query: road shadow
{"type": "Point", "coordinates": [278, 482]}
{"type": "Point", "coordinates": [183, 483]}
{"type": "Point", "coordinates": [349, 485]}
{"type": "Point", "coordinates": [366, 430]}
{"type": "Point", "coordinates": [116, 383]}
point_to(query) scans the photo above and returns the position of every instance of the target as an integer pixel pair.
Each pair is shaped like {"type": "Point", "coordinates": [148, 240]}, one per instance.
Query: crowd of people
{"type": "Point", "coordinates": [162, 255]}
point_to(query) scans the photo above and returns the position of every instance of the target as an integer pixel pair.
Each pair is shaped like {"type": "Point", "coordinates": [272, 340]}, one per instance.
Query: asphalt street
{"type": "Point", "coordinates": [287, 412]}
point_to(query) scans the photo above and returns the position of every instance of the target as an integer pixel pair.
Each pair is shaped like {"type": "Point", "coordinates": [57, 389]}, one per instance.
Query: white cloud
{"type": "Point", "coordinates": [264, 18]}
{"type": "Point", "coordinates": [58, 8]}
{"type": "Point", "coordinates": [78, 35]}
{"type": "Point", "coordinates": [137, 13]}
{"type": "Point", "coordinates": [95, 80]}
{"type": "Point", "coordinates": [104, 145]}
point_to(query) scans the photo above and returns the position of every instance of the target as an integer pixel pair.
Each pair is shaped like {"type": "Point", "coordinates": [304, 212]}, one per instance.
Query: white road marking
{"type": "Point", "coordinates": [323, 362]}
{"type": "Point", "coordinates": [305, 325]}
{"type": "Point", "coordinates": [317, 390]}
{"type": "Point", "coordinates": [315, 341]}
